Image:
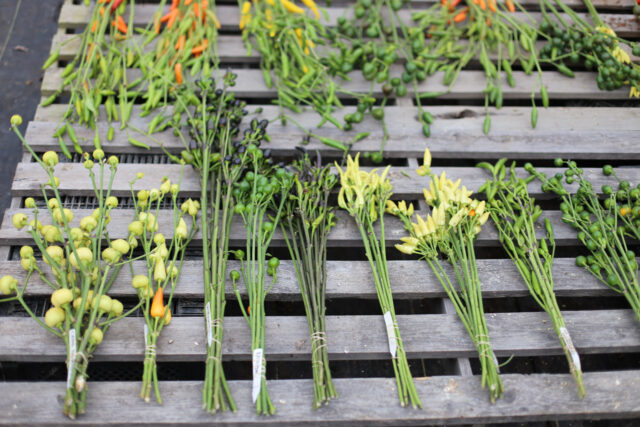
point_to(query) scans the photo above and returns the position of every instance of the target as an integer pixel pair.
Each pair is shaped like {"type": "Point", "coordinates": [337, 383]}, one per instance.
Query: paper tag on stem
{"type": "Point", "coordinates": [72, 355]}
{"type": "Point", "coordinates": [209, 324]}
{"type": "Point", "coordinates": [257, 373]}
{"type": "Point", "coordinates": [391, 334]}
{"type": "Point", "coordinates": [146, 335]}
{"type": "Point", "coordinates": [564, 334]}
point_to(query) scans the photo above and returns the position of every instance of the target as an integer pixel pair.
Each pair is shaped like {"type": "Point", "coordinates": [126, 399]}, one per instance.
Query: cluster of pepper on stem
{"type": "Point", "coordinates": [364, 195]}
{"type": "Point", "coordinates": [83, 272]}
{"type": "Point", "coordinates": [450, 231]}
{"type": "Point", "coordinates": [514, 212]}
{"type": "Point", "coordinates": [163, 259]}
{"type": "Point", "coordinates": [604, 227]}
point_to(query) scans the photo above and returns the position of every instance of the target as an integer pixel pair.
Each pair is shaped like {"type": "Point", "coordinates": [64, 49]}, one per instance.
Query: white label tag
{"type": "Point", "coordinates": [146, 335]}
{"type": "Point", "coordinates": [257, 373]}
{"type": "Point", "coordinates": [209, 324]}
{"type": "Point", "coordinates": [564, 333]}
{"type": "Point", "coordinates": [391, 334]}
{"type": "Point", "coordinates": [72, 355]}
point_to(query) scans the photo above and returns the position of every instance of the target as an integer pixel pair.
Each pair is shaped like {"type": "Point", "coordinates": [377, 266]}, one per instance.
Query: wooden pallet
{"type": "Point", "coordinates": [583, 133]}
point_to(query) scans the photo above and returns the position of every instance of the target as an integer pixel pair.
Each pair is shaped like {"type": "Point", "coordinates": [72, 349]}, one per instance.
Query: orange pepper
{"type": "Point", "coordinates": [168, 16]}
{"type": "Point", "coordinates": [174, 4]}
{"type": "Point", "coordinates": [157, 307]}
{"type": "Point", "coordinates": [102, 11]}
{"type": "Point", "coordinates": [492, 5]}
{"type": "Point", "coordinates": [510, 6]}
{"type": "Point", "coordinates": [187, 2]}
{"type": "Point", "coordinates": [461, 16]}
{"type": "Point", "coordinates": [205, 5]}
{"type": "Point", "coordinates": [178, 71]}
{"type": "Point", "coordinates": [172, 19]}
{"type": "Point", "coordinates": [180, 43]}
{"type": "Point", "coordinates": [120, 25]}
{"type": "Point", "coordinates": [94, 26]}
{"type": "Point", "coordinates": [200, 48]}
{"type": "Point", "coordinates": [196, 10]}
{"type": "Point", "coordinates": [483, 5]}
{"type": "Point", "coordinates": [488, 22]}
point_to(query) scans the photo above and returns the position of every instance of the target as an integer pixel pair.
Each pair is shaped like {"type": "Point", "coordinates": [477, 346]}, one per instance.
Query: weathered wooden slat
{"type": "Point", "coordinates": [74, 16]}
{"type": "Point", "coordinates": [344, 234]}
{"type": "Point", "coordinates": [353, 279]}
{"type": "Point", "coordinates": [603, 133]}
{"type": "Point", "coordinates": [250, 84]}
{"type": "Point", "coordinates": [231, 49]}
{"type": "Point", "coordinates": [348, 337]}
{"type": "Point", "coordinates": [74, 179]}
{"type": "Point", "coordinates": [529, 4]}
{"type": "Point", "coordinates": [362, 402]}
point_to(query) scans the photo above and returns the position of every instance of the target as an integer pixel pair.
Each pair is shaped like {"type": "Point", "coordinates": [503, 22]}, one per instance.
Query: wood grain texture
{"type": "Point", "coordinates": [348, 337]}
{"type": "Point", "coordinates": [250, 84]}
{"type": "Point", "coordinates": [74, 179]}
{"type": "Point", "coordinates": [362, 402]}
{"type": "Point", "coordinates": [344, 234]}
{"type": "Point", "coordinates": [353, 279]}
{"type": "Point", "coordinates": [602, 132]}
{"type": "Point", "coordinates": [77, 16]}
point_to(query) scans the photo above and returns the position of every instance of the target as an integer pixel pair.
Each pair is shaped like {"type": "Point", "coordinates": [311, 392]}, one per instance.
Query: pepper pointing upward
{"type": "Point", "coordinates": [157, 305]}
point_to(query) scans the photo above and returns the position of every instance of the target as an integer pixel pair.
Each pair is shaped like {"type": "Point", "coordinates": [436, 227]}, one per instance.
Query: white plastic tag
{"type": "Point", "coordinates": [146, 335]}
{"type": "Point", "coordinates": [391, 334]}
{"type": "Point", "coordinates": [72, 355]}
{"type": "Point", "coordinates": [564, 333]}
{"type": "Point", "coordinates": [209, 324]}
{"type": "Point", "coordinates": [257, 373]}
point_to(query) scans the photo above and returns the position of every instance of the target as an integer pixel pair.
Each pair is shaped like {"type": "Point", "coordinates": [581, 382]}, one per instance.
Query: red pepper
{"type": "Point", "coordinates": [115, 5]}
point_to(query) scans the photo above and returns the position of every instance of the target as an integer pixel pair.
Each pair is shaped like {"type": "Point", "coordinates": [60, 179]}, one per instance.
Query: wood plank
{"type": "Point", "coordinates": [231, 49]}
{"type": "Point", "coordinates": [348, 337]}
{"type": "Point", "coordinates": [603, 133]}
{"type": "Point", "coordinates": [74, 179]}
{"type": "Point", "coordinates": [353, 279]}
{"type": "Point", "coordinates": [250, 84]}
{"type": "Point", "coordinates": [77, 16]}
{"type": "Point", "coordinates": [344, 234]}
{"type": "Point", "coordinates": [362, 402]}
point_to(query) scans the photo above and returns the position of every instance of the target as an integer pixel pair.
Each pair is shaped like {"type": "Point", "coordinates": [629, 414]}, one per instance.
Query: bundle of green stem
{"type": "Point", "coordinates": [98, 74]}
{"type": "Point", "coordinates": [286, 37]}
{"type": "Point", "coordinates": [364, 196]}
{"type": "Point", "coordinates": [373, 41]}
{"type": "Point", "coordinates": [260, 197]}
{"type": "Point", "coordinates": [599, 229]}
{"type": "Point", "coordinates": [185, 39]}
{"type": "Point", "coordinates": [514, 212]}
{"type": "Point", "coordinates": [459, 32]}
{"type": "Point", "coordinates": [450, 230]}
{"type": "Point", "coordinates": [211, 118]}
{"type": "Point", "coordinates": [82, 272]}
{"type": "Point", "coordinates": [307, 220]}
{"type": "Point", "coordinates": [594, 44]}
{"type": "Point", "coordinates": [163, 264]}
